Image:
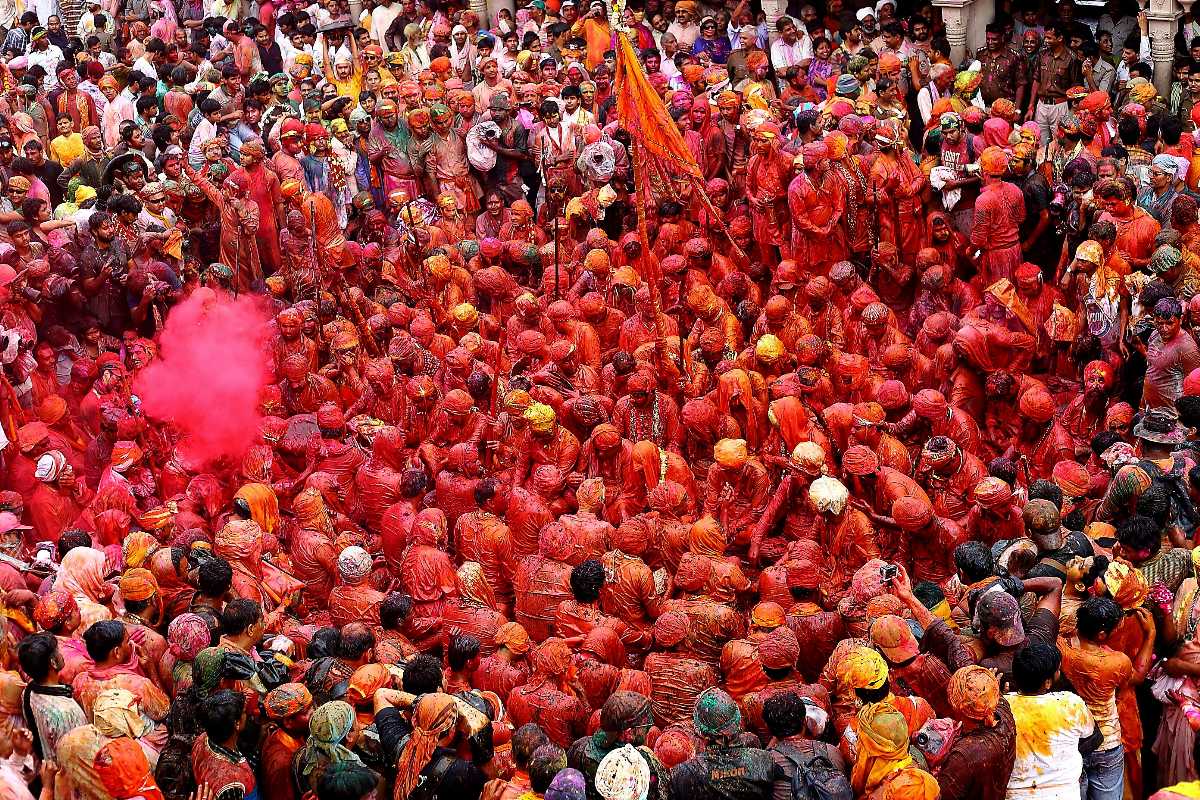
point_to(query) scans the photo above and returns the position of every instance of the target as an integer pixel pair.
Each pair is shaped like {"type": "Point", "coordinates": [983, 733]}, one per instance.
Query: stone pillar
{"type": "Point", "coordinates": [1162, 17]}
{"type": "Point", "coordinates": [956, 14]}
{"type": "Point", "coordinates": [488, 9]}
{"type": "Point", "coordinates": [774, 9]}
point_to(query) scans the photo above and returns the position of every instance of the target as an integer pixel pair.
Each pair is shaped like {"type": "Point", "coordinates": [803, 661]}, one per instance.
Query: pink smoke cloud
{"type": "Point", "coordinates": [213, 362]}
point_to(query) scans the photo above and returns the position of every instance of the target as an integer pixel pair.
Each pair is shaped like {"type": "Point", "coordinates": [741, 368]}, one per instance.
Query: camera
{"type": "Point", "coordinates": [1058, 198]}
{"type": "Point", "coordinates": [889, 572]}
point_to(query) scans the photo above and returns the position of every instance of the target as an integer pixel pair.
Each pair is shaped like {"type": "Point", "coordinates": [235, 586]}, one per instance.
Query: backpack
{"type": "Point", "coordinates": [1183, 511]}
{"type": "Point", "coordinates": [815, 777]}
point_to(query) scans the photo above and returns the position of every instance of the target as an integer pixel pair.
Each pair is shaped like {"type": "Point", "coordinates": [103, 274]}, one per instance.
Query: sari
{"type": "Point", "coordinates": [82, 574]}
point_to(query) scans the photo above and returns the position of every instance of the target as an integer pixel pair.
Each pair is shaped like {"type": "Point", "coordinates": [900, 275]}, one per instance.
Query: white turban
{"type": "Point", "coordinates": [829, 495]}
{"type": "Point", "coordinates": [353, 564]}
{"type": "Point", "coordinates": [50, 466]}
{"type": "Point", "coordinates": [863, 13]}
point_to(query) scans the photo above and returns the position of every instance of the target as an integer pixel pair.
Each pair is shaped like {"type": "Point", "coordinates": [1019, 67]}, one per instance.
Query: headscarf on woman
{"type": "Point", "coordinates": [187, 635]}
{"type": "Point", "coordinates": [434, 716]}
{"type": "Point", "coordinates": [882, 747]}
{"type": "Point", "coordinates": [82, 575]}
{"type": "Point", "coordinates": [263, 504]}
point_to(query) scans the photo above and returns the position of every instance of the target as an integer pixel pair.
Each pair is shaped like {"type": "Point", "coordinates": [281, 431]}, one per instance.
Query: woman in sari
{"type": "Point", "coordinates": [81, 575]}
{"type": "Point", "coordinates": [260, 502]}
{"type": "Point", "coordinates": [473, 612]}
{"type": "Point", "coordinates": [883, 766]}
{"type": "Point", "coordinates": [426, 572]}
{"type": "Point", "coordinates": [187, 635]}
{"type": "Point", "coordinates": [175, 593]}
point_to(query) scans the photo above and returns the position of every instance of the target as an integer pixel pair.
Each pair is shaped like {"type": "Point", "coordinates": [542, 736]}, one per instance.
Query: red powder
{"type": "Point", "coordinates": [213, 361]}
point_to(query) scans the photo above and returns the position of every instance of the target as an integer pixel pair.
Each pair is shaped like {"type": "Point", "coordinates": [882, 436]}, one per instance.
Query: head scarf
{"type": "Point", "coordinates": [263, 504]}
{"type": "Point", "coordinates": [138, 584]}
{"type": "Point", "coordinates": [329, 726]}
{"type": "Point", "coordinates": [124, 770]}
{"type": "Point", "coordinates": [1126, 584]}
{"type": "Point", "coordinates": [882, 746]}
{"type": "Point", "coordinates": [82, 574]}
{"type": "Point", "coordinates": [435, 715]}
{"type": "Point", "coordinates": [513, 636]}
{"type": "Point", "coordinates": [187, 635]}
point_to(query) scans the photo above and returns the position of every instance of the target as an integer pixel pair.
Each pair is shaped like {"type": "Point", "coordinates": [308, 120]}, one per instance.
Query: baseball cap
{"type": "Point", "coordinates": [999, 610]}
{"type": "Point", "coordinates": [9, 522]}
{"type": "Point", "coordinates": [894, 639]}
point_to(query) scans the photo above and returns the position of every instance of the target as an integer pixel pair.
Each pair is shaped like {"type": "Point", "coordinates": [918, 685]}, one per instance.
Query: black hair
{"type": "Point", "coordinates": [587, 580]}
{"type": "Point", "coordinates": [974, 560]}
{"type": "Point", "coordinates": [1188, 407]}
{"type": "Point", "coordinates": [528, 738]}
{"type": "Point", "coordinates": [1003, 468]}
{"type": "Point", "coordinates": [1034, 665]}
{"type": "Point", "coordinates": [1097, 616]}
{"type": "Point", "coordinates": [422, 675]}
{"type": "Point", "coordinates": [1043, 489]}
{"type": "Point", "coordinates": [784, 714]}
{"type": "Point", "coordinates": [1129, 131]}
{"type": "Point", "coordinates": [208, 106]}
{"type": "Point", "coordinates": [1104, 440]}
{"type": "Point", "coordinates": [777, 673]}
{"type": "Point", "coordinates": [485, 490]}
{"type": "Point", "coordinates": [873, 695]}
{"type": "Point", "coordinates": [1139, 533]}
{"type": "Point", "coordinates": [394, 609]}
{"type": "Point", "coordinates": [214, 577]}
{"type": "Point", "coordinates": [1155, 503]}
{"type": "Point", "coordinates": [71, 539]}
{"type": "Point", "coordinates": [546, 762]}
{"type": "Point", "coordinates": [928, 593]}
{"type": "Point", "coordinates": [345, 780]}
{"type": "Point", "coordinates": [412, 483]}
{"type": "Point", "coordinates": [36, 655]}
{"type": "Point", "coordinates": [324, 643]}
{"type": "Point", "coordinates": [462, 648]}
{"type": "Point", "coordinates": [104, 637]}
{"type": "Point", "coordinates": [220, 714]}
{"type": "Point", "coordinates": [239, 616]}
{"type": "Point", "coordinates": [357, 640]}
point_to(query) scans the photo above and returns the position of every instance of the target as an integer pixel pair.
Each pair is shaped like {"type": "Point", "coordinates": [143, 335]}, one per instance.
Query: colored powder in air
{"type": "Point", "coordinates": [213, 363]}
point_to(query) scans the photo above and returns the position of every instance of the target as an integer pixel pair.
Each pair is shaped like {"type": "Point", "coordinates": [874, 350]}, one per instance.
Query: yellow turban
{"type": "Point", "coordinates": [540, 417]}
{"type": "Point", "coordinates": [863, 668]}
{"type": "Point", "coordinates": [439, 266]}
{"type": "Point", "coordinates": [464, 313]}
{"type": "Point", "coordinates": [769, 348]}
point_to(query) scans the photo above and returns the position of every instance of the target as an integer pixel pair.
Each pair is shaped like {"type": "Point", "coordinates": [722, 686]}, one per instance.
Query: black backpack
{"type": "Point", "coordinates": [815, 776]}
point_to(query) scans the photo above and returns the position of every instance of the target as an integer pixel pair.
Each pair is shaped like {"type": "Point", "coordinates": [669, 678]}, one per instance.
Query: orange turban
{"type": "Point", "coordinates": [513, 636]}
{"type": "Point", "coordinates": [138, 584]}
{"type": "Point", "coordinates": [731, 453]}
{"type": "Point", "coordinates": [993, 161]}
{"type": "Point", "coordinates": [1072, 478]}
{"type": "Point", "coordinates": [973, 694]}
{"type": "Point", "coordinates": [1037, 404]}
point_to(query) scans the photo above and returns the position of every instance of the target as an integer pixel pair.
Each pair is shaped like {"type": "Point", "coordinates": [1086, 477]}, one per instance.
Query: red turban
{"type": "Point", "coordinates": [992, 492]}
{"type": "Point", "coordinates": [1072, 478]}
{"type": "Point", "coordinates": [1191, 384]}
{"type": "Point", "coordinates": [892, 395]}
{"type": "Point", "coordinates": [803, 574]}
{"type": "Point", "coordinates": [859, 460]}
{"type": "Point", "coordinates": [930, 404]}
{"type": "Point", "coordinates": [457, 401]}
{"type": "Point", "coordinates": [780, 649]}
{"type": "Point", "coordinates": [911, 513]}
{"type": "Point", "coordinates": [671, 628]}
{"type": "Point", "coordinates": [1037, 404]}
{"type": "Point", "coordinates": [330, 417]}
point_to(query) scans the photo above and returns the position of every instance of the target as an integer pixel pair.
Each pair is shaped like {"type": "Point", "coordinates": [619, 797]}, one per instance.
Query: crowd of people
{"type": "Point", "coordinates": [659, 402]}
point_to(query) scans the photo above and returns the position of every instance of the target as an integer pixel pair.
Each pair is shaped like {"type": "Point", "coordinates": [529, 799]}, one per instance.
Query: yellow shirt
{"type": "Point", "coordinates": [65, 149]}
